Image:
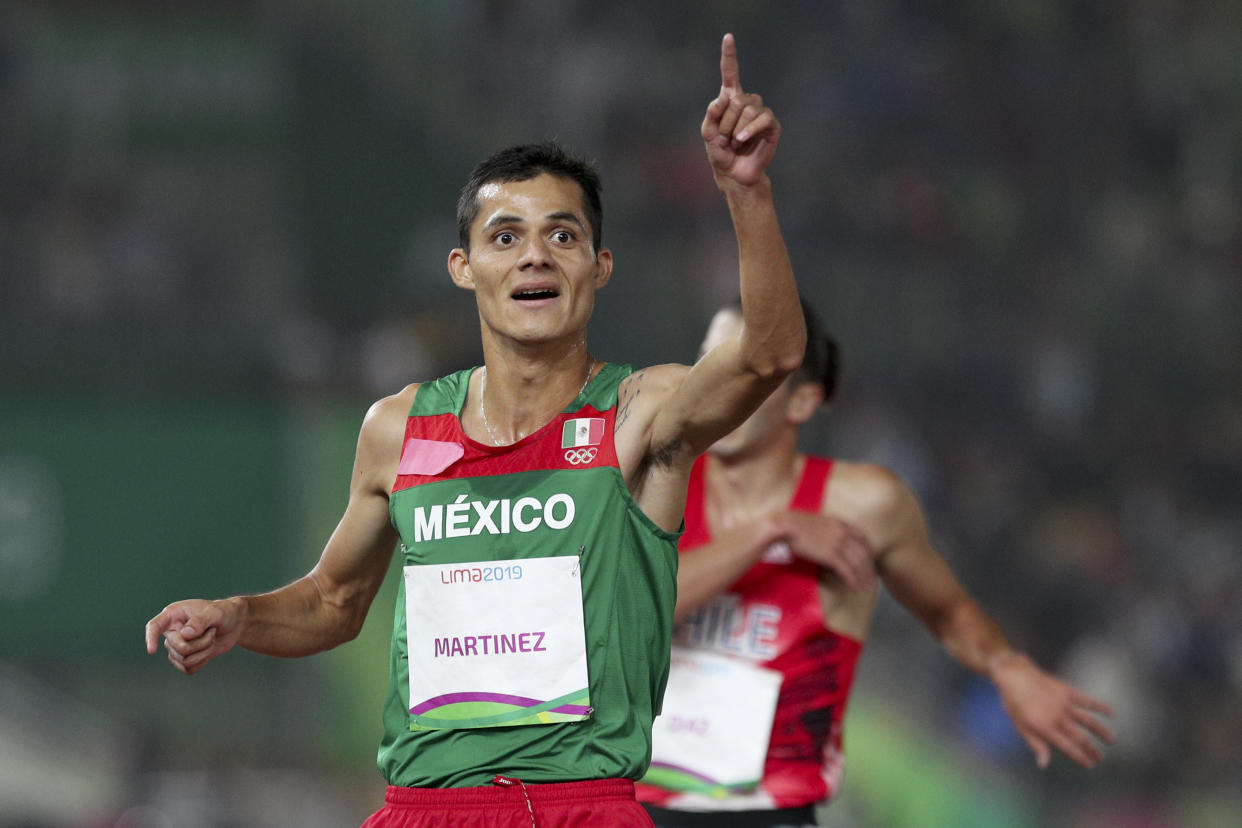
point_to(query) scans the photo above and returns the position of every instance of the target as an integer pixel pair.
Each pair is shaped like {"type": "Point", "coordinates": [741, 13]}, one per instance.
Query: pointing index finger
{"type": "Point", "coordinates": [729, 75]}
{"type": "Point", "coordinates": [152, 636]}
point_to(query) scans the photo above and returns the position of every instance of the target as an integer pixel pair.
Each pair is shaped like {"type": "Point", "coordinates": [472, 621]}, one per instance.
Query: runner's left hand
{"type": "Point", "coordinates": [1050, 713]}
{"type": "Point", "coordinates": [740, 133]}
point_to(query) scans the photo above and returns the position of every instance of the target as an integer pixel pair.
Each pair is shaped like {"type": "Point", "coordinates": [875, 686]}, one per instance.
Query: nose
{"type": "Point", "coordinates": [535, 253]}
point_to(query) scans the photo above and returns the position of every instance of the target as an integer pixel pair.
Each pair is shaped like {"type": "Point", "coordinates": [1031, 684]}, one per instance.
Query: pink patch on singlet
{"type": "Point", "coordinates": [428, 456]}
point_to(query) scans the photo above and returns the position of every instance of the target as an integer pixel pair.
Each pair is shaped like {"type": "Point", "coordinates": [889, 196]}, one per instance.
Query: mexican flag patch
{"type": "Point", "coordinates": [582, 431]}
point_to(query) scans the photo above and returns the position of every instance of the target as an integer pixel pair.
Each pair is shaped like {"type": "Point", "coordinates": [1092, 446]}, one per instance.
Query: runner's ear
{"type": "Point", "coordinates": [603, 268]}
{"type": "Point", "coordinates": [805, 400]}
{"type": "Point", "coordinates": [459, 269]}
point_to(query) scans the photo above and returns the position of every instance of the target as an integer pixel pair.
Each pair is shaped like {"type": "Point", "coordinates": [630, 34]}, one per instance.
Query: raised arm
{"type": "Point", "coordinates": [325, 607]}
{"type": "Point", "coordinates": [740, 134]}
{"type": "Point", "coordinates": [1047, 712]}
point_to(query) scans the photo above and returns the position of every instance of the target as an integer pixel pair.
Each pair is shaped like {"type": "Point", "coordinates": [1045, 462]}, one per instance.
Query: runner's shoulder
{"type": "Point", "coordinates": [383, 427]}
{"type": "Point", "coordinates": [871, 489]}
{"type": "Point", "coordinates": [393, 407]}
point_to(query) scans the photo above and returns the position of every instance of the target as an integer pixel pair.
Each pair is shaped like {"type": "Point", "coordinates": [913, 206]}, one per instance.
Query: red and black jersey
{"type": "Point", "coordinates": [772, 616]}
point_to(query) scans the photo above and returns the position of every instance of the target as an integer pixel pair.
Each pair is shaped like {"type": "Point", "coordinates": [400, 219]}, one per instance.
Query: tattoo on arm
{"type": "Point", "coordinates": [624, 414]}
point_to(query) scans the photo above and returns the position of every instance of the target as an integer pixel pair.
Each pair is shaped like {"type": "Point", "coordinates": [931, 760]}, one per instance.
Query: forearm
{"type": "Point", "coordinates": [296, 620]}
{"type": "Point", "coordinates": [709, 569]}
{"type": "Point", "coordinates": [774, 336]}
{"type": "Point", "coordinates": [971, 637]}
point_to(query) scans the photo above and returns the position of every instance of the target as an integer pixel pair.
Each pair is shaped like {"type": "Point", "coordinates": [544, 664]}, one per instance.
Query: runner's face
{"type": "Point", "coordinates": [762, 427]}
{"type": "Point", "coordinates": [531, 262]}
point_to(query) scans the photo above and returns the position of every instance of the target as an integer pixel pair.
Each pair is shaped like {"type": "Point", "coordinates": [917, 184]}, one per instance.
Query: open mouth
{"type": "Point", "coordinates": [535, 294]}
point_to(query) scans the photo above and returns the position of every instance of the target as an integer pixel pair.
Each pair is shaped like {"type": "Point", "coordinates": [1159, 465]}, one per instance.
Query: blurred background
{"type": "Point", "coordinates": [223, 230]}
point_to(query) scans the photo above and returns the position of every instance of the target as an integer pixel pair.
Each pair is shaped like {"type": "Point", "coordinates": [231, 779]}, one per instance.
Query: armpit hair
{"type": "Point", "coordinates": [665, 455]}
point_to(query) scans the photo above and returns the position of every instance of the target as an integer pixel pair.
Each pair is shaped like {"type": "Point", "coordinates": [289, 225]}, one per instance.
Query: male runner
{"type": "Point", "coordinates": [536, 501]}
{"type": "Point", "coordinates": [778, 573]}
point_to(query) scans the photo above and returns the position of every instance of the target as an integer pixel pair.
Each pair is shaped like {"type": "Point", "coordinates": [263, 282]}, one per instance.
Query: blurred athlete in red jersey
{"type": "Point", "coordinates": [780, 567]}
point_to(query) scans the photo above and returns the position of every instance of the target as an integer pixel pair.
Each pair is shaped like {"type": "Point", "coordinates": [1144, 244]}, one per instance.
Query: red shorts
{"type": "Point", "coordinates": [508, 803]}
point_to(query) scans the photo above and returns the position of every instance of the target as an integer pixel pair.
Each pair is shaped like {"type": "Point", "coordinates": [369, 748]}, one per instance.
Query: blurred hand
{"type": "Point", "coordinates": [1049, 713]}
{"type": "Point", "coordinates": [196, 631]}
{"type": "Point", "coordinates": [739, 131]}
{"type": "Point", "coordinates": [833, 544]}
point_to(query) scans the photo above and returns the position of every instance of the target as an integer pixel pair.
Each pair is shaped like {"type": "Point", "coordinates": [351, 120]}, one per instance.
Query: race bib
{"type": "Point", "coordinates": [496, 643]}
{"type": "Point", "coordinates": [712, 736]}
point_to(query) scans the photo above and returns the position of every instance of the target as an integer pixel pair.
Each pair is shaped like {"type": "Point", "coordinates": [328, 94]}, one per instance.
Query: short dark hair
{"type": "Point", "coordinates": [822, 361]}
{"type": "Point", "coordinates": [522, 163]}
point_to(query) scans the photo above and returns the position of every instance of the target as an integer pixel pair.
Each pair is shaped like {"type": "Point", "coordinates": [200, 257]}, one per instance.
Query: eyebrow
{"type": "Point", "coordinates": [565, 215]}
{"type": "Point", "coordinates": [559, 215]}
{"type": "Point", "coordinates": [497, 221]}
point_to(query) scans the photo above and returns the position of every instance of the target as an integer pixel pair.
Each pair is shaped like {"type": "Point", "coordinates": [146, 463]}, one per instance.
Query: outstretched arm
{"type": "Point", "coordinates": [1047, 712]}
{"type": "Point", "coordinates": [740, 135]}
{"type": "Point", "coordinates": [322, 609]}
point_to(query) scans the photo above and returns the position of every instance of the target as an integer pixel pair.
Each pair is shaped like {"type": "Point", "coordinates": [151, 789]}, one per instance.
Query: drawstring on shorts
{"type": "Point", "coordinates": [509, 782]}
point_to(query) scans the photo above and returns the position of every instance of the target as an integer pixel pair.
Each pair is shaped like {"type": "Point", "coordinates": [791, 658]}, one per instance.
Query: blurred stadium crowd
{"type": "Point", "coordinates": [1022, 220]}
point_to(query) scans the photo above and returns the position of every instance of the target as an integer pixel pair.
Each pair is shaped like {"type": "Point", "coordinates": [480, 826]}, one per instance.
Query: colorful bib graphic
{"type": "Point", "coordinates": [496, 643]}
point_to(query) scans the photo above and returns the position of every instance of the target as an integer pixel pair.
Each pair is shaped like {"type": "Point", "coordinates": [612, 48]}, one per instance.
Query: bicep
{"type": "Point", "coordinates": [356, 556]}
{"type": "Point", "coordinates": [912, 570]}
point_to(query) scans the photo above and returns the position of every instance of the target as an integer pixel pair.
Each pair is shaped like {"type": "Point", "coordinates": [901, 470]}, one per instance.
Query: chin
{"type": "Point", "coordinates": [535, 334]}
{"type": "Point", "coordinates": [726, 447]}
{"type": "Point", "coordinates": [535, 331]}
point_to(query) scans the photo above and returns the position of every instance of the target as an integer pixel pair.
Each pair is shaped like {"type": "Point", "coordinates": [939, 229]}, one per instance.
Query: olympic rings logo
{"type": "Point", "coordinates": [581, 455]}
